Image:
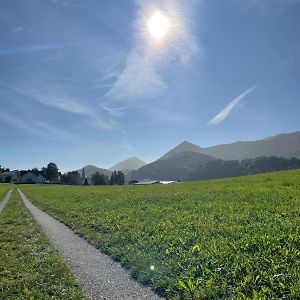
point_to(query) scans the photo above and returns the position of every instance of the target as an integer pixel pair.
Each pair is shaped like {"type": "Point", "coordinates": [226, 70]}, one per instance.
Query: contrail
{"type": "Point", "coordinates": [223, 114]}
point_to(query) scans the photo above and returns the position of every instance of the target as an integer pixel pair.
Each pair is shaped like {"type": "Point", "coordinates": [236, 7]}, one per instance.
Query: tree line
{"type": "Point", "coordinates": [52, 175]}
{"type": "Point", "coordinates": [231, 168]}
{"type": "Point", "coordinates": [74, 178]}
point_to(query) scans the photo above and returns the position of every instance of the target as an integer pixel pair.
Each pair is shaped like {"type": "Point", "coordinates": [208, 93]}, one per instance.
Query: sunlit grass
{"type": "Point", "coordinates": [220, 239]}
{"type": "Point", "coordinates": [4, 188]}
{"type": "Point", "coordinates": [30, 267]}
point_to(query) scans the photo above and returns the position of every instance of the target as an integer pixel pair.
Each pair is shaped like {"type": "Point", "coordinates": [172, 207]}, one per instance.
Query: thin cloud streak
{"type": "Point", "coordinates": [36, 128]}
{"type": "Point", "coordinates": [35, 48]}
{"type": "Point", "coordinates": [223, 114]}
{"type": "Point", "coordinates": [62, 102]}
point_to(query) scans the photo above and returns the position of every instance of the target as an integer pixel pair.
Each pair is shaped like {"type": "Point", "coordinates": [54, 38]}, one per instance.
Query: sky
{"type": "Point", "coordinates": [86, 82]}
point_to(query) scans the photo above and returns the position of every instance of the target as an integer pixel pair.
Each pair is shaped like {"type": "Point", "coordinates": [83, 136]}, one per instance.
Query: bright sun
{"type": "Point", "coordinates": [158, 25]}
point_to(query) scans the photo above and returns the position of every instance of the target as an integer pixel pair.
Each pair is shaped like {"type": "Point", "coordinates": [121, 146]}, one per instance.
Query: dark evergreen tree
{"type": "Point", "coordinates": [120, 178]}
{"type": "Point", "coordinates": [113, 178]}
{"type": "Point", "coordinates": [99, 179]}
{"type": "Point", "coordinates": [117, 178]}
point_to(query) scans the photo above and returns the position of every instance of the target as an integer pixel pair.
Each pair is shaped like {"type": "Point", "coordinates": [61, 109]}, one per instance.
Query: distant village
{"type": "Point", "coordinates": [51, 175]}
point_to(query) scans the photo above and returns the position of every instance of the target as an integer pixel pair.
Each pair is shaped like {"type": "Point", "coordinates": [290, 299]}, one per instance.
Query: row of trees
{"type": "Point", "coordinates": [74, 178]}
{"type": "Point", "coordinates": [51, 174]}
{"type": "Point", "coordinates": [231, 168]}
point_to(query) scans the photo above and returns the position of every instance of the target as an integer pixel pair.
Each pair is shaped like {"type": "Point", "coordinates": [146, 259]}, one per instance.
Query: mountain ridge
{"type": "Point", "coordinates": [283, 144]}
{"type": "Point", "coordinates": [178, 167]}
{"type": "Point", "coordinates": [128, 165]}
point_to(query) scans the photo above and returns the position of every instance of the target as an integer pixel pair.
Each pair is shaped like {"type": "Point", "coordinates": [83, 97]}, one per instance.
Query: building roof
{"type": "Point", "coordinates": [147, 182]}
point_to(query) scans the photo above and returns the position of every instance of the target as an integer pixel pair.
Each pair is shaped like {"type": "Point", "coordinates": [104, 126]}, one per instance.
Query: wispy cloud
{"type": "Point", "coordinates": [143, 72]}
{"type": "Point", "coordinates": [52, 96]}
{"type": "Point", "coordinates": [35, 48]}
{"type": "Point", "coordinates": [34, 127]}
{"type": "Point", "coordinates": [265, 7]}
{"type": "Point", "coordinates": [139, 78]}
{"type": "Point", "coordinates": [223, 114]}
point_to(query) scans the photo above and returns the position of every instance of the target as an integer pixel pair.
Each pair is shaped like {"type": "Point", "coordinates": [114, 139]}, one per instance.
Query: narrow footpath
{"type": "Point", "coordinates": [5, 200]}
{"type": "Point", "coordinates": [101, 277]}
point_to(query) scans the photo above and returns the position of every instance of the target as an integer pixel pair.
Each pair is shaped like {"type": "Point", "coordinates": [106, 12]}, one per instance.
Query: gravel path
{"type": "Point", "coordinates": [5, 200]}
{"type": "Point", "coordinates": [101, 277]}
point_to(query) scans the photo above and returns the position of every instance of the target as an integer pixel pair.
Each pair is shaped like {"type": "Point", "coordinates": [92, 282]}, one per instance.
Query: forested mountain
{"type": "Point", "coordinates": [178, 167]}
{"type": "Point", "coordinates": [282, 145]}
{"type": "Point", "coordinates": [183, 147]}
{"type": "Point", "coordinates": [190, 162]}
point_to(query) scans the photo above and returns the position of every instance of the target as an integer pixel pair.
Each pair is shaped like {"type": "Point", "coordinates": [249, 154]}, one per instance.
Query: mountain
{"type": "Point", "coordinates": [186, 158]}
{"type": "Point", "coordinates": [130, 164]}
{"type": "Point", "coordinates": [90, 170]}
{"type": "Point", "coordinates": [183, 147]}
{"type": "Point", "coordinates": [178, 167]}
{"type": "Point", "coordinates": [283, 145]}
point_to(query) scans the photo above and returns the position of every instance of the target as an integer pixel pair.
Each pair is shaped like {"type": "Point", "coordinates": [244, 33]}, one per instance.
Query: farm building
{"type": "Point", "coordinates": [148, 182]}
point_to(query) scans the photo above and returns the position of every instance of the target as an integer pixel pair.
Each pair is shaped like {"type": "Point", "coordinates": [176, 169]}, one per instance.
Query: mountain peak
{"type": "Point", "coordinates": [185, 146]}
{"type": "Point", "coordinates": [187, 143]}
{"type": "Point", "coordinates": [127, 165]}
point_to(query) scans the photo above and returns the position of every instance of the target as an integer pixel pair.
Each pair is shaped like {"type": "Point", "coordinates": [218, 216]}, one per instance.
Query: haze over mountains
{"type": "Point", "coordinates": [284, 145]}
{"type": "Point", "coordinates": [185, 158]}
{"type": "Point", "coordinates": [128, 165]}
{"type": "Point", "coordinates": [90, 170]}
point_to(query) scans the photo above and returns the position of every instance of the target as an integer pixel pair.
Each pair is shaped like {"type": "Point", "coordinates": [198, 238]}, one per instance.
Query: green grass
{"type": "Point", "coordinates": [30, 266]}
{"type": "Point", "coordinates": [4, 188]}
{"type": "Point", "coordinates": [220, 239]}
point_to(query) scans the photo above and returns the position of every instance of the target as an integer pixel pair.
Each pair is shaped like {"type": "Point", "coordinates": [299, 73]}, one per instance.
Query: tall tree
{"type": "Point", "coordinates": [51, 172]}
{"type": "Point", "coordinates": [72, 178]}
{"type": "Point", "coordinates": [113, 178]}
{"type": "Point", "coordinates": [117, 178]}
{"type": "Point", "coordinates": [120, 178]}
{"type": "Point", "coordinates": [8, 179]}
{"type": "Point", "coordinates": [99, 179]}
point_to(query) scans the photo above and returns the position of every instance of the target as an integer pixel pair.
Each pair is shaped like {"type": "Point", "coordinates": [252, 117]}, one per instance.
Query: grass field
{"type": "Point", "coordinates": [4, 188]}
{"type": "Point", "coordinates": [30, 267]}
{"type": "Point", "coordinates": [220, 239]}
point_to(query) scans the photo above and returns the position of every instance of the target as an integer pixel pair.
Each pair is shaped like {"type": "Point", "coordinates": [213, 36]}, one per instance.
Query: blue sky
{"type": "Point", "coordinates": [84, 82]}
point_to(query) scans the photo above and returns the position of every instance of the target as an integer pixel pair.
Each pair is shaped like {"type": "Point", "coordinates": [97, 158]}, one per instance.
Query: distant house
{"type": "Point", "coordinates": [12, 176]}
{"type": "Point", "coordinates": [31, 177]}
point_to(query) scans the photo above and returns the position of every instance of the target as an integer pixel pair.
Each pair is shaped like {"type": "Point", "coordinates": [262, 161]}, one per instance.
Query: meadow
{"type": "Point", "coordinates": [30, 266]}
{"type": "Point", "coordinates": [4, 188]}
{"type": "Point", "coordinates": [219, 239]}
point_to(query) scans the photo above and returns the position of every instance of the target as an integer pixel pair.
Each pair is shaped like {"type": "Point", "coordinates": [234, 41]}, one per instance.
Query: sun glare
{"type": "Point", "coordinates": [158, 25]}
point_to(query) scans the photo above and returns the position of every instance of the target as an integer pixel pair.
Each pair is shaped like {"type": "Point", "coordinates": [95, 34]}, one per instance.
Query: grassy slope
{"type": "Point", "coordinates": [4, 188]}
{"type": "Point", "coordinates": [228, 239]}
{"type": "Point", "coordinates": [30, 267]}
